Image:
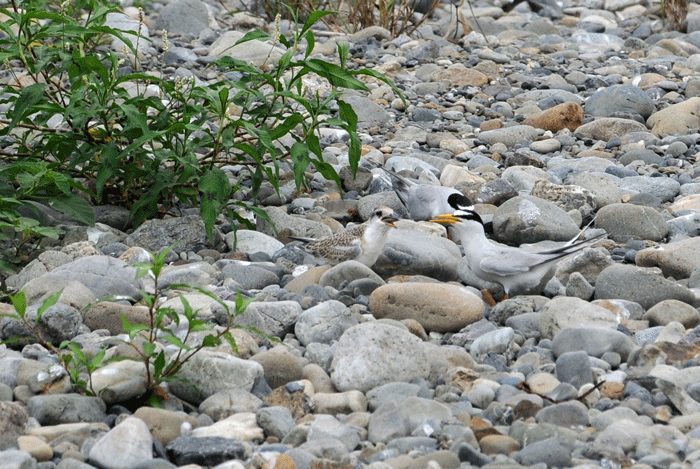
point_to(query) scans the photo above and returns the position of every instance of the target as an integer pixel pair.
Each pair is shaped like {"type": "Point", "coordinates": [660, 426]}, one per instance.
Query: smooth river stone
{"type": "Point", "coordinates": [437, 307]}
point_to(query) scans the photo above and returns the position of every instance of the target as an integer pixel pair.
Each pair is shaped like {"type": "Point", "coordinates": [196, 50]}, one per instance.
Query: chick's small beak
{"type": "Point", "coordinates": [390, 220]}
{"type": "Point", "coordinates": [447, 219]}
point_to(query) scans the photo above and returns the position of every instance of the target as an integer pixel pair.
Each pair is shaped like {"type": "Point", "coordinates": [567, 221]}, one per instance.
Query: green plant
{"type": "Point", "coordinates": [18, 230]}
{"type": "Point", "coordinates": [145, 338]}
{"type": "Point", "coordinates": [76, 363]}
{"type": "Point", "coordinates": [84, 113]}
{"type": "Point", "coordinates": [32, 186]}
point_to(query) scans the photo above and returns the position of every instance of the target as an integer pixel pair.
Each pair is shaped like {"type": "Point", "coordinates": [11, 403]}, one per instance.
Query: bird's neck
{"type": "Point", "coordinates": [471, 231]}
{"type": "Point", "coordinates": [376, 231]}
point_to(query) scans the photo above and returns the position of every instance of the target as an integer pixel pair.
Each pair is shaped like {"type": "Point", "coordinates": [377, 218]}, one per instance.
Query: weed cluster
{"type": "Point", "coordinates": [81, 126]}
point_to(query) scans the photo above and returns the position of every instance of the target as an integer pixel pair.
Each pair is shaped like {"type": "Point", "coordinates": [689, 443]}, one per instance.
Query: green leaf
{"type": "Point", "coordinates": [299, 154]}
{"type": "Point", "coordinates": [19, 301]}
{"type": "Point", "coordinates": [73, 206]}
{"type": "Point", "coordinates": [286, 126]}
{"type": "Point", "coordinates": [232, 342]}
{"type": "Point", "coordinates": [48, 302]}
{"type": "Point", "coordinates": [343, 51]}
{"type": "Point", "coordinates": [96, 361]}
{"type": "Point", "coordinates": [252, 35]}
{"type": "Point", "coordinates": [381, 77]}
{"type": "Point", "coordinates": [215, 190]}
{"type": "Point", "coordinates": [313, 17]}
{"type": "Point", "coordinates": [159, 364]}
{"type": "Point", "coordinates": [176, 341]}
{"type": "Point", "coordinates": [242, 303]}
{"type": "Point", "coordinates": [223, 97]}
{"type": "Point", "coordinates": [286, 58]}
{"type": "Point", "coordinates": [327, 171]}
{"type": "Point", "coordinates": [347, 114]}
{"type": "Point", "coordinates": [211, 341]}
{"type": "Point", "coordinates": [77, 352]}
{"type": "Point", "coordinates": [334, 74]}
{"type": "Point", "coordinates": [188, 312]}
{"type": "Point", "coordinates": [149, 348]}
{"type": "Point", "coordinates": [132, 329]}
{"type": "Point", "coordinates": [24, 105]}
{"type": "Point", "coordinates": [310, 44]}
{"type": "Point", "coordinates": [91, 64]}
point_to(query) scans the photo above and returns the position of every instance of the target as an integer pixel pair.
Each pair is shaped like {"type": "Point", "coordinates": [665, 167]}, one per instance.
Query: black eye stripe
{"type": "Point", "coordinates": [467, 214]}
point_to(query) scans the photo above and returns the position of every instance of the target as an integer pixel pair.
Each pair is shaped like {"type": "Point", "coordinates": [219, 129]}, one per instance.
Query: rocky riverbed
{"type": "Point", "coordinates": [548, 120]}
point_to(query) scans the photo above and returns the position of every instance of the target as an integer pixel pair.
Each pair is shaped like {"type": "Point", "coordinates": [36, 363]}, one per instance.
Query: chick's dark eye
{"type": "Point", "coordinates": [378, 213]}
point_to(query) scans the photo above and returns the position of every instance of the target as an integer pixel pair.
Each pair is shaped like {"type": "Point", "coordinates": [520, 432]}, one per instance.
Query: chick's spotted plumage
{"type": "Point", "coordinates": [362, 243]}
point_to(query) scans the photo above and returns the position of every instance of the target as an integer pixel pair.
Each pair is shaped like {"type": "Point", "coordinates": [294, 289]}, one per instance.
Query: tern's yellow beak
{"type": "Point", "coordinates": [447, 219]}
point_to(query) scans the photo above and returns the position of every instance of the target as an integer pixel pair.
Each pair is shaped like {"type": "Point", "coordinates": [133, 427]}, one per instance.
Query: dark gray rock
{"type": "Point", "coordinates": [574, 368]}
{"type": "Point", "coordinates": [594, 341]}
{"type": "Point", "coordinates": [663, 188]}
{"type": "Point", "coordinates": [103, 275]}
{"type": "Point", "coordinates": [619, 98]}
{"type": "Point", "coordinates": [14, 458]}
{"type": "Point", "coordinates": [55, 409]}
{"type": "Point", "coordinates": [249, 276]}
{"type": "Point", "coordinates": [13, 422]}
{"type": "Point", "coordinates": [643, 154]}
{"type": "Point", "coordinates": [566, 414]}
{"type": "Point", "coordinates": [369, 113]}
{"type": "Point", "coordinates": [324, 323]}
{"type": "Point", "coordinates": [409, 252]}
{"type": "Point", "coordinates": [205, 451]}
{"type": "Point", "coordinates": [468, 454]}
{"type": "Point", "coordinates": [641, 285]}
{"type": "Point", "coordinates": [275, 318]}
{"type": "Point", "coordinates": [551, 452]}
{"type": "Point", "coordinates": [276, 421]}
{"type": "Point", "coordinates": [187, 232]}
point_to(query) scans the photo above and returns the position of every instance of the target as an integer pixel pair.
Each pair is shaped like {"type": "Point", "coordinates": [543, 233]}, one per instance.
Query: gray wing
{"type": "Point", "coordinates": [427, 201]}
{"type": "Point", "coordinates": [511, 261]}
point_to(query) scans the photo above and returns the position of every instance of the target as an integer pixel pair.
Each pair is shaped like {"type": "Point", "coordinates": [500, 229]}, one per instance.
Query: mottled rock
{"type": "Point", "coordinates": [372, 354]}
{"type": "Point", "coordinates": [562, 312]}
{"type": "Point", "coordinates": [619, 98]}
{"type": "Point", "coordinates": [164, 425]}
{"type": "Point", "coordinates": [607, 128]}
